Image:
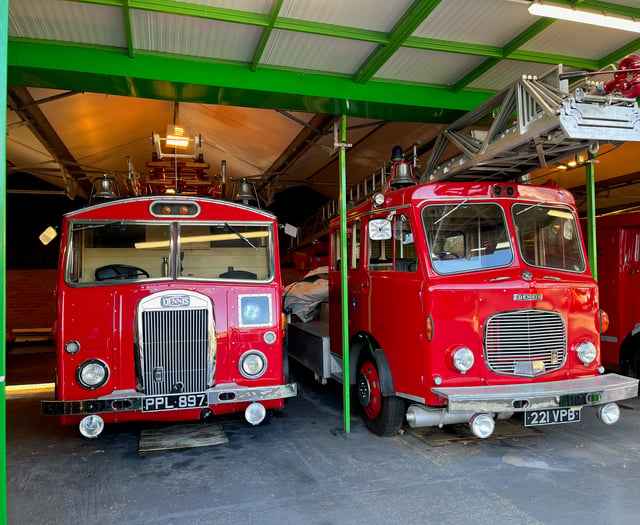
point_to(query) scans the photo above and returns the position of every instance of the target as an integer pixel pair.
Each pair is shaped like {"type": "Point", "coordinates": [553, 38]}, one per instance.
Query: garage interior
{"type": "Point", "coordinates": [263, 84]}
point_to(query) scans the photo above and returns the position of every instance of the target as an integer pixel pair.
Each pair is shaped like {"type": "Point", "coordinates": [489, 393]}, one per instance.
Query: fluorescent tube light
{"type": "Point", "coordinates": [573, 14]}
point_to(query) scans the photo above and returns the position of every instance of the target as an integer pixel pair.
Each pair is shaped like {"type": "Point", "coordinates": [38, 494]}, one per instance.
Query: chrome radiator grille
{"type": "Point", "coordinates": [525, 342]}
{"type": "Point", "coordinates": [175, 347]}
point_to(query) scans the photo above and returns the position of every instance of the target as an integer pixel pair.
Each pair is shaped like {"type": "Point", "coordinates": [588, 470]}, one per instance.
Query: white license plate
{"type": "Point", "coordinates": [174, 402]}
{"type": "Point", "coordinates": [551, 416]}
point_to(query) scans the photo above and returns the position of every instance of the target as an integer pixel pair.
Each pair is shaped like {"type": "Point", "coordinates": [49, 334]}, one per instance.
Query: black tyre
{"type": "Point", "coordinates": [382, 415]}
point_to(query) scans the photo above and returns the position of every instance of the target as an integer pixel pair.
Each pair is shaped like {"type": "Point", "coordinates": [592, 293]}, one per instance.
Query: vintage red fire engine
{"type": "Point", "coordinates": [618, 248]}
{"type": "Point", "coordinates": [468, 302]}
{"type": "Point", "coordinates": [168, 310]}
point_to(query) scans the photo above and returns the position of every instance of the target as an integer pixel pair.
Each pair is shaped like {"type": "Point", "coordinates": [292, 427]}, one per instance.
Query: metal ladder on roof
{"type": "Point", "coordinates": [535, 122]}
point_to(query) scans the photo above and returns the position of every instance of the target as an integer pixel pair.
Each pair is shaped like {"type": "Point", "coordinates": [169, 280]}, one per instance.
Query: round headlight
{"type": "Point", "coordinates": [463, 359]}
{"type": "Point", "coordinates": [72, 347]}
{"type": "Point", "coordinates": [92, 374]}
{"type": "Point", "coordinates": [587, 352]}
{"type": "Point", "coordinates": [253, 364]}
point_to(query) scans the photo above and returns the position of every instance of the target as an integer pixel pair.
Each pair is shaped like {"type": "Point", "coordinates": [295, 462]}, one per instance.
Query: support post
{"type": "Point", "coordinates": [344, 292]}
{"type": "Point", "coordinates": [591, 215]}
{"type": "Point", "coordinates": [4, 18]}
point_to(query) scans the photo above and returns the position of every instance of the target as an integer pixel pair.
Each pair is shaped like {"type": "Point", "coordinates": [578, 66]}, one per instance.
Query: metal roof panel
{"type": "Point", "coordinates": [67, 21]}
{"type": "Point", "coordinates": [251, 6]}
{"type": "Point", "coordinates": [507, 72]}
{"type": "Point", "coordinates": [464, 21]}
{"type": "Point", "coordinates": [193, 36]}
{"type": "Point", "coordinates": [431, 67]}
{"type": "Point", "coordinates": [578, 40]}
{"type": "Point", "coordinates": [322, 53]}
{"type": "Point", "coordinates": [377, 15]}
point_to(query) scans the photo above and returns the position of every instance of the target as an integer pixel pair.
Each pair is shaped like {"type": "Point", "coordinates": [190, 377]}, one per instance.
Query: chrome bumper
{"type": "Point", "coordinates": [129, 400]}
{"type": "Point", "coordinates": [518, 398]}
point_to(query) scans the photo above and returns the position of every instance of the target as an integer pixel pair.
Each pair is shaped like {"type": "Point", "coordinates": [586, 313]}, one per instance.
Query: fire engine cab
{"type": "Point", "coordinates": [168, 309]}
{"type": "Point", "coordinates": [467, 302]}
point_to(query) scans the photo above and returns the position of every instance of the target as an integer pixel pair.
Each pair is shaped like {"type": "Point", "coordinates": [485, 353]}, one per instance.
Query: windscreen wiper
{"type": "Point", "coordinates": [247, 241]}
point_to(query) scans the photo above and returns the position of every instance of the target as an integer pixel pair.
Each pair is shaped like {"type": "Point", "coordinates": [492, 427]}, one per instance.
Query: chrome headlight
{"type": "Point", "coordinates": [92, 374]}
{"type": "Point", "coordinates": [252, 364]}
{"type": "Point", "coordinates": [255, 310]}
{"type": "Point", "coordinates": [587, 352]}
{"type": "Point", "coordinates": [463, 359]}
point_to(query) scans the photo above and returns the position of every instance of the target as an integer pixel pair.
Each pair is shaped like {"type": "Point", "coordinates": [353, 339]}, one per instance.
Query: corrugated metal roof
{"type": "Point", "coordinates": [419, 60]}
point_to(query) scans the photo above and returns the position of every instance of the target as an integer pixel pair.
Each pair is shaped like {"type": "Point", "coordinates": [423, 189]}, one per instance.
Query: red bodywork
{"type": "Point", "coordinates": [419, 318]}
{"type": "Point", "coordinates": [618, 255]}
{"type": "Point", "coordinates": [102, 318]}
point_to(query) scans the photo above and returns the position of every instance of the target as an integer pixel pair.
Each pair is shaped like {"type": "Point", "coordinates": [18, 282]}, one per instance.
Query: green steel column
{"type": "Point", "coordinates": [4, 21]}
{"type": "Point", "coordinates": [344, 292]}
{"type": "Point", "coordinates": [591, 215]}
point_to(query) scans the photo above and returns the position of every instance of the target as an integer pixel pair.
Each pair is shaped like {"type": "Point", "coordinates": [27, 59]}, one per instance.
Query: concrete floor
{"type": "Point", "coordinates": [302, 469]}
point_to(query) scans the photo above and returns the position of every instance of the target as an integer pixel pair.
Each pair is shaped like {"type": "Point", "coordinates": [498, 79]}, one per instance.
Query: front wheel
{"type": "Point", "coordinates": [382, 415]}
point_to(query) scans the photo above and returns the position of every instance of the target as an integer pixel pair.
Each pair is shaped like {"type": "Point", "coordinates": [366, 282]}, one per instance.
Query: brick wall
{"type": "Point", "coordinates": [30, 298]}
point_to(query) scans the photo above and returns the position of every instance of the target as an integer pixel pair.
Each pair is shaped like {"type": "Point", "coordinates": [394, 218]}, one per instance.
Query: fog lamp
{"type": "Point", "coordinates": [463, 359]}
{"type": "Point", "coordinates": [91, 426]}
{"type": "Point", "coordinates": [482, 425]}
{"type": "Point", "coordinates": [609, 413]}
{"type": "Point", "coordinates": [587, 352]}
{"type": "Point", "coordinates": [255, 413]}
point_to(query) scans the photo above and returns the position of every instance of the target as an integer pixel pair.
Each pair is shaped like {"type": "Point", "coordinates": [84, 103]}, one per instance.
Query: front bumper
{"type": "Point", "coordinates": [130, 400]}
{"type": "Point", "coordinates": [518, 398]}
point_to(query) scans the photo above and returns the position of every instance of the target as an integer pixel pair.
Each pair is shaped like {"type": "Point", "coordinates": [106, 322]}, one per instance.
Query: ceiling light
{"type": "Point", "coordinates": [573, 14]}
{"type": "Point", "coordinates": [176, 137]}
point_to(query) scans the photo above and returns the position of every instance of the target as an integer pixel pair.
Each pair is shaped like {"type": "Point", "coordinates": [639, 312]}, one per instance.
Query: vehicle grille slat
{"type": "Point", "coordinates": [515, 338]}
{"type": "Point", "coordinates": [176, 347]}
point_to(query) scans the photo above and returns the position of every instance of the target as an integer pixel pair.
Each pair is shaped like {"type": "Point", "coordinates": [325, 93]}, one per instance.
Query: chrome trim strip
{"type": "Point", "coordinates": [410, 397]}
{"type": "Point", "coordinates": [609, 338]}
{"type": "Point", "coordinates": [230, 393]}
{"type": "Point", "coordinates": [501, 398]}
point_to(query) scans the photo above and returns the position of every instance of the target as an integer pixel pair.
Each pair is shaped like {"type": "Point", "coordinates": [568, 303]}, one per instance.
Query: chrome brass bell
{"type": "Point", "coordinates": [245, 192]}
{"type": "Point", "coordinates": [104, 188]}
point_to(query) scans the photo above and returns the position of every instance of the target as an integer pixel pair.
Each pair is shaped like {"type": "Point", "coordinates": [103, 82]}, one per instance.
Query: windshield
{"type": "Point", "coordinates": [548, 237]}
{"type": "Point", "coordinates": [125, 251]}
{"type": "Point", "coordinates": [465, 237]}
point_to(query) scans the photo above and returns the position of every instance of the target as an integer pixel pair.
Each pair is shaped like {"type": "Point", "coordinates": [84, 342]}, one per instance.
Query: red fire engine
{"type": "Point", "coordinates": [618, 248]}
{"type": "Point", "coordinates": [467, 302]}
{"type": "Point", "coordinates": [168, 309]}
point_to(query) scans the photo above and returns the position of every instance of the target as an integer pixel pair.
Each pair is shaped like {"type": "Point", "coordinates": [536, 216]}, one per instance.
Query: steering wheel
{"type": "Point", "coordinates": [119, 271]}
{"type": "Point", "coordinates": [447, 255]}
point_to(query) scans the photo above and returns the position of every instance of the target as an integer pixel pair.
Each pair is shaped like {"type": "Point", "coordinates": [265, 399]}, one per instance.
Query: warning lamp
{"type": "Point", "coordinates": [176, 137]}
{"type": "Point", "coordinates": [603, 318]}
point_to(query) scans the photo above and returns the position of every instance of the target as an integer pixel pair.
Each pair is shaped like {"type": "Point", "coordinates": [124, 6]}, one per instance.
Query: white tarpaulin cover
{"type": "Point", "coordinates": [303, 298]}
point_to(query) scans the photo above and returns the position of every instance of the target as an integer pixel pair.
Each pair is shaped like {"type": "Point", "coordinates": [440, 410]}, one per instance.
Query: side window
{"type": "Point", "coordinates": [405, 257]}
{"type": "Point", "coordinates": [355, 244]}
{"type": "Point", "coordinates": [396, 250]}
{"type": "Point", "coordinates": [335, 249]}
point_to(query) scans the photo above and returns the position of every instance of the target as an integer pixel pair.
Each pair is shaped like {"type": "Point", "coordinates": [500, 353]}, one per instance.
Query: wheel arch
{"type": "Point", "coordinates": [361, 344]}
{"type": "Point", "coordinates": [629, 351]}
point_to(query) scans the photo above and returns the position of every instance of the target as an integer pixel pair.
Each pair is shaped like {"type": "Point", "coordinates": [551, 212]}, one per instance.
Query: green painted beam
{"type": "Point", "coordinates": [127, 29]}
{"type": "Point", "coordinates": [275, 10]}
{"type": "Point", "coordinates": [199, 80]}
{"type": "Point", "coordinates": [4, 20]}
{"type": "Point", "coordinates": [476, 73]}
{"type": "Point", "coordinates": [414, 16]}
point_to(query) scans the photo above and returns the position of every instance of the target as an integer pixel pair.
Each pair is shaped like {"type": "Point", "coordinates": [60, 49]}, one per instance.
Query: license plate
{"type": "Point", "coordinates": [551, 416]}
{"type": "Point", "coordinates": [174, 402]}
